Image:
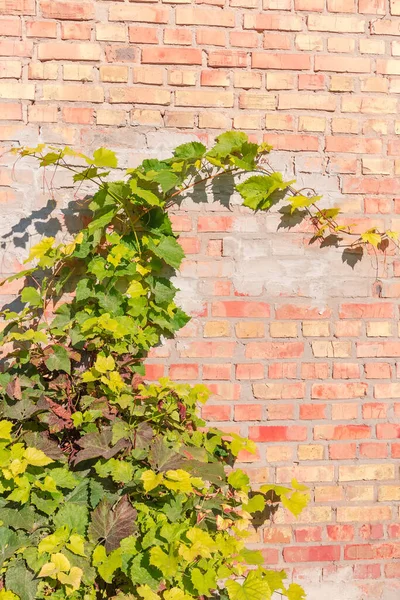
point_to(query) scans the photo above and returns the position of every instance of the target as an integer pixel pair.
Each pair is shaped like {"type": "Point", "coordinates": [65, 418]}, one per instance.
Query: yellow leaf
{"type": "Point", "coordinates": [136, 289]}
{"type": "Point", "coordinates": [72, 581]}
{"type": "Point", "coordinates": [371, 237]}
{"type": "Point", "coordinates": [48, 570]}
{"type": "Point", "coordinates": [104, 363]}
{"type": "Point", "coordinates": [147, 593]}
{"type": "Point", "coordinates": [40, 249]}
{"type": "Point", "coordinates": [5, 430]}
{"type": "Point", "coordinates": [8, 595]}
{"type": "Point", "coordinates": [393, 235]}
{"type": "Point", "coordinates": [114, 381]}
{"type": "Point", "coordinates": [151, 480]}
{"type": "Point", "coordinates": [61, 562]}
{"type": "Point", "coordinates": [18, 466]}
{"type": "Point", "coordinates": [36, 457]}
{"type": "Point", "coordinates": [76, 544]}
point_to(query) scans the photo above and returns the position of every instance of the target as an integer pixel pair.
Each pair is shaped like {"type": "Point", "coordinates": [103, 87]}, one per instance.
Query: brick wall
{"type": "Point", "coordinates": [300, 349]}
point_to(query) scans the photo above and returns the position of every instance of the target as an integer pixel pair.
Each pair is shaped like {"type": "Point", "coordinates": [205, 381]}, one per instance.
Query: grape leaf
{"type": "Point", "coordinates": [169, 250]}
{"type": "Point", "coordinates": [191, 150]}
{"type": "Point", "coordinates": [110, 524]}
{"type": "Point", "coordinates": [21, 581]}
{"type": "Point", "coordinates": [102, 157]}
{"type": "Point", "coordinates": [31, 295]}
{"type": "Point", "coordinates": [59, 360]}
{"type": "Point", "coordinates": [253, 588]}
{"type": "Point", "coordinates": [227, 143]}
{"type": "Point", "coordinates": [257, 191]}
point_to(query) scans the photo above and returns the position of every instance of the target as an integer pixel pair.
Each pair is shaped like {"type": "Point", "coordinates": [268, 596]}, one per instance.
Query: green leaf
{"type": "Point", "coordinates": [253, 588]}
{"type": "Point", "coordinates": [59, 360]}
{"type": "Point", "coordinates": [227, 143]}
{"type": "Point", "coordinates": [204, 582]}
{"type": "Point", "coordinates": [167, 180]}
{"type": "Point", "coordinates": [238, 479]}
{"type": "Point", "coordinates": [166, 563]}
{"type": "Point", "coordinates": [257, 191]}
{"type": "Point", "coordinates": [31, 295]}
{"type": "Point", "coordinates": [300, 201]}
{"type": "Point", "coordinates": [295, 592]}
{"type": "Point", "coordinates": [108, 568]}
{"type": "Point", "coordinates": [255, 504]}
{"type": "Point", "coordinates": [110, 524]}
{"type": "Point", "coordinates": [74, 515]}
{"type": "Point", "coordinates": [169, 250]}
{"type": "Point", "coordinates": [21, 581]}
{"type": "Point", "coordinates": [10, 541]}
{"type": "Point", "coordinates": [296, 502]}
{"type": "Point", "coordinates": [144, 194]}
{"type": "Point", "coordinates": [191, 150]}
{"type": "Point", "coordinates": [105, 158]}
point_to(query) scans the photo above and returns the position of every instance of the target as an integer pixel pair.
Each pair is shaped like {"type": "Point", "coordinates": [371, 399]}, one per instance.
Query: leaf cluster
{"type": "Point", "coordinates": [111, 488]}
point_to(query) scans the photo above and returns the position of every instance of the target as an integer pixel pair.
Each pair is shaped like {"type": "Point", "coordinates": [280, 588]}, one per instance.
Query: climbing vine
{"type": "Point", "coordinates": [111, 488]}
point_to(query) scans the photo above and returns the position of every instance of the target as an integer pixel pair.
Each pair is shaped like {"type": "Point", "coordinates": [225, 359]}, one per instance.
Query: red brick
{"type": "Point", "coordinates": [83, 116]}
{"type": "Point", "coordinates": [250, 371]}
{"type": "Point", "coordinates": [214, 224]}
{"type": "Point", "coordinates": [11, 112]}
{"type": "Point", "coordinates": [143, 35]}
{"type": "Point", "coordinates": [216, 413]}
{"type": "Point", "coordinates": [340, 533]}
{"type": "Point", "coordinates": [184, 371]}
{"type": "Point", "coordinates": [278, 433]}
{"type": "Point", "coordinates": [10, 27]}
{"type": "Point", "coordinates": [274, 349]}
{"type": "Point", "coordinates": [355, 145]}
{"type": "Point", "coordinates": [294, 143]}
{"type": "Point", "coordinates": [240, 309]}
{"type": "Point", "coordinates": [341, 432]}
{"type": "Point", "coordinates": [17, 7]}
{"type": "Point", "coordinates": [381, 310]}
{"type": "Point", "coordinates": [140, 13]}
{"type": "Point", "coordinates": [72, 11]}
{"type": "Point", "coordinates": [171, 56]}
{"type": "Point", "coordinates": [41, 29]}
{"type": "Point", "coordinates": [289, 62]}
{"type": "Point", "coordinates": [248, 412]}
{"type": "Point", "coordinates": [311, 553]}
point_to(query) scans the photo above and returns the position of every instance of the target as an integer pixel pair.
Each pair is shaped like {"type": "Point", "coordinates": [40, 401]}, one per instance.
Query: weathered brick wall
{"type": "Point", "coordinates": [300, 349]}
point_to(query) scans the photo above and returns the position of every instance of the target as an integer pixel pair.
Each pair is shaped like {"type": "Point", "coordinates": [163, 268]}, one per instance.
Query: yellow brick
{"type": "Point", "coordinates": [310, 452]}
{"type": "Point", "coordinates": [360, 493]}
{"type": "Point", "coordinates": [375, 85]}
{"type": "Point", "coordinates": [214, 120]}
{"type": "Point", "coordinates": [345, 126]}
{"type": "Point", "coordinates": [148, 75]}
{"type": "Point", "coordinates": [146, 117]}
{"type": "Point", "coordinates": [312, 124]}
{"type": "Point", "coordinates": [110, 32]}
{"type": "Point", "coordinates": [309, 43]}
{"type": "Point", "coordinates": [107, 116]}
{"type": "Point", "coordinates": [331, 349]}
{"type": "Point", "coordinates": [340, 83]}
{"type": "Point", "coordinates": [379, 328]}
{"type": "Point", "coordinates": [250, 329]}
{"type": "Point", "coordinates": [279, 122]}
{"type": "Point", "coordinates": [176, 77]}
{"type": "Point", "coordinates": [73, 93]}
{"type": "Point", "coordinates": [328, 493]}
{"type": "Point", "coordinates": [389, 493]}
{"type": "Point", "coordinates": [341, 44]}
{"type": "Point", "coordinates": [78, 72]}
{"type": "Point", "coordinates": [316, 328]}
{"type": "Point", "coordinates": [365, 514]}
{"type": "Point", "coordinates": [10, 69]}
{"type": "Point", "coordinates": [366, 472]}
{"type": "Point", "coordinates": [279, 453]}
{"type": "Point", "coordinates": [283, 329]}
{"type": "Point", "coordinates": [114, 73]}
{"type": "Point", "coordinates": [279, 81]}
{"type": "Point", "coordinates": [42, 71]}
{"type": "Point", "coordinates": [246, 121]}
{"type": "Point", "coordinates": [375, 126]}
{"type": "Point", "coordinates": [17, 91]}
{"type": "Point", "coordinates": [217, 329]}
{"type": "Point", "coordinates": [369, 46]}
